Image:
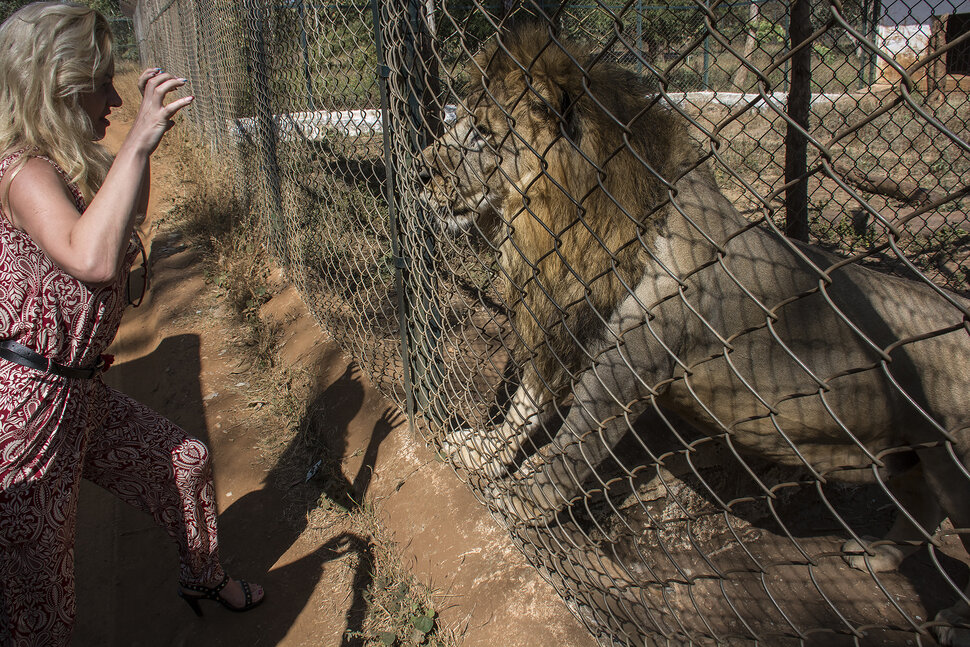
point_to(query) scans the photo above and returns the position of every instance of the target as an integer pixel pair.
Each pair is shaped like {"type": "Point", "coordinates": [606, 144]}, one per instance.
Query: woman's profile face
{"type": "Point", "coordinates": [98, 104]}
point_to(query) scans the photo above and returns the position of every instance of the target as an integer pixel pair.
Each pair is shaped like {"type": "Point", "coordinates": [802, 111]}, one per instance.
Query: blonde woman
{"type": "Point", "coordinates": [67, 213]}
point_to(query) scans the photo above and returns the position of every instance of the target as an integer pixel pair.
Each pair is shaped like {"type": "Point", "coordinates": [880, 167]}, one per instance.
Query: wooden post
{"type": "Point", "coordinates": [741, 76]}
{"type": "Point", "coordinates": [936, 70]}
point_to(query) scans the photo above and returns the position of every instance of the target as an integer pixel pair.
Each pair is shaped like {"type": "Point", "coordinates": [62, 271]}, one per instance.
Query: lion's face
{"type": "Point", "coordinates": [561, 170]}
{"type": "Point", "coordinates": [476, 166]}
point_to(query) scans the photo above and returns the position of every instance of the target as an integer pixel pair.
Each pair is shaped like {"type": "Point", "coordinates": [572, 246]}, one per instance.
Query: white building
{"type": "Point", "coordinates": [910, 30]}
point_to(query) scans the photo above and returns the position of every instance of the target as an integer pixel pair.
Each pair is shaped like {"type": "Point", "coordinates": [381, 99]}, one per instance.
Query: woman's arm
{"type": "Point", "coordinates": [84, 245]}
{"type": "Point", "coordinates": [90, 246]}
{"type": "Point", "coordinates": [142, 209]}
{"type": "Point", "coordinates": [141, 205]}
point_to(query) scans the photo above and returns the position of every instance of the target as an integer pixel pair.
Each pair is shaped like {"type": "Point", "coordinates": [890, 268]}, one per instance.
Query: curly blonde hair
{"type": "Point", "coordinates": [50, 54]}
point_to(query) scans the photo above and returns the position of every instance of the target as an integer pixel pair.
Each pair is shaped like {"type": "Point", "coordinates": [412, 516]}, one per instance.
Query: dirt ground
{"type": "Point", "coordinates": [175, 353]}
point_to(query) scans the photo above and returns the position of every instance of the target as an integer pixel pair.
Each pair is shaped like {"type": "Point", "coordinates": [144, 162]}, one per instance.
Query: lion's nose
{"type": "Point", "coordinates": [424, 175]}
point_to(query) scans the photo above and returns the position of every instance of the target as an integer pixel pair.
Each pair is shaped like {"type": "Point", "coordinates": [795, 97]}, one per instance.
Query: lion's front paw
{"type": "Point", "coordinates": [956, 630]}
{"type": "Point", "coordinates": [477, 452]}
{"type": "Point", "coordinates": [529, 503]}
{"type": "Point", "coordinates": [865, 557]}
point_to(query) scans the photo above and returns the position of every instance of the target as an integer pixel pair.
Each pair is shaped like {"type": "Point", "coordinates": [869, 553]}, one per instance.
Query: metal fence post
{"type": "Point", "coordinates": [304, 50]}
{"type": "Point", "coordinates": [639, 36]}
{"type": "Point", "coordinates": [390, 181]}
{"type": "Point", "coordinates": [266, 129]}
{"type": "Point", "coordinates": [705, 77]}
{"type": "Point", "coordinates": [422, 120]}
{"type": "Point", "coordinates": [799, 104]}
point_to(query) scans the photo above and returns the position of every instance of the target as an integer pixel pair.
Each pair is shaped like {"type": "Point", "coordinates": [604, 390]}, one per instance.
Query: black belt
{"type": "Point", "coordinates": [20, 354]}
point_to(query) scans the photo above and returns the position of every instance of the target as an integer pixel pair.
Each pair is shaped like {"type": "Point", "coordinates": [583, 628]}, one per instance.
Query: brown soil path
{"type": "Point", "coordinates": [175, 353]}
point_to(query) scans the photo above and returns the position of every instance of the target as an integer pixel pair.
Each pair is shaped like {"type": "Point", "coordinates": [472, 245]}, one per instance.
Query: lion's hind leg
{"type": "Point", "coordinates": [491, 452]}
{"type": "Point", "coordinates": [911, 493]}
{"type": "Point", "coordinates": [934, 488]}
{"type": "Point", "coordinates": [948, 480]}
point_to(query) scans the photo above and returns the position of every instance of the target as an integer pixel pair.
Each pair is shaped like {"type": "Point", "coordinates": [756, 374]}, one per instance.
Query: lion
{"type": "Point", "coordinates": [634, 285]}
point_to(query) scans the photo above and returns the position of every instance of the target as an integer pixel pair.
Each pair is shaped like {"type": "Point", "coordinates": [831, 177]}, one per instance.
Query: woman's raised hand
{"type": "Point", "coordinates": [154, 116]}
{"type": "Point", "coordinates": [143, 79]}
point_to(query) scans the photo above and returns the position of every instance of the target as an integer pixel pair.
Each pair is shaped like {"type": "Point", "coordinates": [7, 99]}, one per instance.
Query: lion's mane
{"type": "Point", "coordinates": [575, 237]}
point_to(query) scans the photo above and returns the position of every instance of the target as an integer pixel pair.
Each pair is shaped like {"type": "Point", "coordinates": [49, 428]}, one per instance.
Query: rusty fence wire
{"type": "Point", "coordinates": [679, 288]}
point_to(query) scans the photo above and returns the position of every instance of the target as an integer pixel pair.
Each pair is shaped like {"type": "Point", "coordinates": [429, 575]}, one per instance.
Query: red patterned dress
{"type": "Point", "coordinates": [55, 430]}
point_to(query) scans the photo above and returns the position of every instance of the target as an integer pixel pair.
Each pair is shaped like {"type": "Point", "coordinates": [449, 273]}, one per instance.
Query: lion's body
{"type": "Point", "coordinates": [786, 385]}
{"type": "Point", "coordinates": [634, 284]}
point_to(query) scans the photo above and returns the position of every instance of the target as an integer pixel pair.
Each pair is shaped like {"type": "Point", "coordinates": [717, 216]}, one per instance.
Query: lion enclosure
{"type": "Point", "coordinates": [679, 289]}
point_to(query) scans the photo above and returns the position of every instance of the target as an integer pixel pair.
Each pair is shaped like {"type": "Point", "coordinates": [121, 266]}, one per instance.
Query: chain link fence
{"type": "Point", "coordinates": [567, 237]}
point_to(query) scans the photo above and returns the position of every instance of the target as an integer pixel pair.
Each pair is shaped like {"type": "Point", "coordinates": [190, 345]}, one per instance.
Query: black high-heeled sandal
{"type": "Point", "coordinates": [213, 593]}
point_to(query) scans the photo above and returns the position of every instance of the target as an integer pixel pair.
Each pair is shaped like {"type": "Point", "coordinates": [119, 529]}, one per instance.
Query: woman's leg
{"type": "Point", "coordinates": [41, 444]}
{"type": "Point", "coordinates": [152, 464]}
{"type": "Point", "coordinates": [37, 564]}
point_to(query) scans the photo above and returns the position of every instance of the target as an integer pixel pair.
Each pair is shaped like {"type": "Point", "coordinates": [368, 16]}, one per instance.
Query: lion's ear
{"type": "Point", "coordinates": [557, 79]}
{"type": "Point", "coordinates": [558, 102]}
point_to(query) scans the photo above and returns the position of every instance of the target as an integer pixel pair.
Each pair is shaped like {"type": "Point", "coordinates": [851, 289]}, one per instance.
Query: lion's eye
{"type": "Point", "coordinates": [479, 136]}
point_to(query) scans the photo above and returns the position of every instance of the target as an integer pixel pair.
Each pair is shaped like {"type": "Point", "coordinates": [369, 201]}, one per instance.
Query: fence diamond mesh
{"type": "Point", "coordinates": [679, 289]}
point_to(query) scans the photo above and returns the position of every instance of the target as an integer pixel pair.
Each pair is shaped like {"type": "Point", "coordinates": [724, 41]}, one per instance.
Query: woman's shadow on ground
{"type": "Point", "coordinates": [277, 513]}
{"type": "Point", "coordinates": [259, 533]}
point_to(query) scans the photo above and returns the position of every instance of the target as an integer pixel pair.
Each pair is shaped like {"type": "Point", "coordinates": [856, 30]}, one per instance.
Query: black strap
{"type": "Point", "coordinates": [208, 592]}
{"type": "Point", "coordinates": [143, 271]}
{"type": "Point", "coordinates": [20, 354]}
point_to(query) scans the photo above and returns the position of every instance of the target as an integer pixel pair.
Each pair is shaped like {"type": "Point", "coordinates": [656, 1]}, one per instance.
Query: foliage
{"type": "Point", "coordinates": [106, 7]}
{"type": "Point", "coordinates": [769, 31]}
{"type": "Point", "coordinates": [7, 7]}
{"type": "Point", "coordinates": [109, 8]}
{"type": "Point", "coordinates": [121, 27]}
{"type": "Point", "coordinates": [312, 62]}
{"type": "Point", "coordinates": [401, 613]}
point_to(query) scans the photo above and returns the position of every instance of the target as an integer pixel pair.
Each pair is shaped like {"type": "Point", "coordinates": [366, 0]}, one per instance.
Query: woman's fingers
{"type": "Point", "coordinates": [158, 88]}
{"type": "Point", "coordinates": [152, 78]}
{"type": "Point", "coordinates": [145, 76]}
{"type": "Point", "coordinates": [155, 97]}
{"type": "Point", "coordinates": [155, 117]}
{"type": "Point", "coordinates": [171, 109]}
{"type": "Point", "coordinates": [162, 82]}
{"type": "Point", "coordinates": [168, 85]}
